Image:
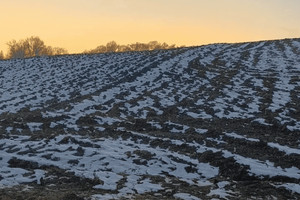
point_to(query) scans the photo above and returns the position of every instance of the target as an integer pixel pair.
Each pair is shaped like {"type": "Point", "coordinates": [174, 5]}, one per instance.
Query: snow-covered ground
{"type": "Point", "coordinates": [157, 123]}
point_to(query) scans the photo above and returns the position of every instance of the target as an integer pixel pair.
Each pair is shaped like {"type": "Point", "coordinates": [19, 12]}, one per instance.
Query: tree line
{"type": "Point", "coordinates": [114, 47]}
{"type": "Point", "coordinates": [34, 46]}
{"type": "Point", "coordinates": [30, 47]}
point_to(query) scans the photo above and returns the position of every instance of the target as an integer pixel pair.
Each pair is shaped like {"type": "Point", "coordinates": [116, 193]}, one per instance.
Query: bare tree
{"type": "Point", "coordinates": [124, 48]}
{"type": "Point", "coordinates": [35, 47]}
{"type": "Point", "coordinates": [2, 55]}
{"type": "Point", "coordinates": [164, 46]}
{"type": "Point", "coordinates": [59, 51]}
{"type": "Point", "coordinates": [112, 46]}
{"type": "Point", "coordinates": [51, 51]}
{"type": "Point", "coordinates": [31, 47]}
{"type": "Point", "coordinates": [16, 49]}
{"type": "Point", "coordinates": [98, 49]}
{"type": "Point", "coordinates": [153, 45]}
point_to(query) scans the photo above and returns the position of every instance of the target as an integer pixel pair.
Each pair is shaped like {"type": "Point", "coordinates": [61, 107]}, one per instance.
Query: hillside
{"type": "Point", "coordinates": [220, 121]}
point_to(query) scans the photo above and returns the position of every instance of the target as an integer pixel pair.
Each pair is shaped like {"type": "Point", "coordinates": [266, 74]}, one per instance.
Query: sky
{"type": "Point", "coordinates": [79, 25]}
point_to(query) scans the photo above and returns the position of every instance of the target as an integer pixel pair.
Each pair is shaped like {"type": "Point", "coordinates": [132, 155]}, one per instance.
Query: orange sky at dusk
{"type": "Point", "coordinates": [79, 25]}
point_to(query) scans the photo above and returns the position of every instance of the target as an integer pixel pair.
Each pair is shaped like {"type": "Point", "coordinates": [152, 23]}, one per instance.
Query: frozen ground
{"type": "Point", "coordinates": [212, 122]}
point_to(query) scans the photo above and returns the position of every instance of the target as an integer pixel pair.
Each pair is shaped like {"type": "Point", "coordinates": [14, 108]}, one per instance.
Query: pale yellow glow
{"type": "Point", "coordinates": [78, 25]}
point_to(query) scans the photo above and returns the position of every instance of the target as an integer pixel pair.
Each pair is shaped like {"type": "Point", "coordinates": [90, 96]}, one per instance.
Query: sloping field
{"type": "Point", "coordinates": [219, 121]}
